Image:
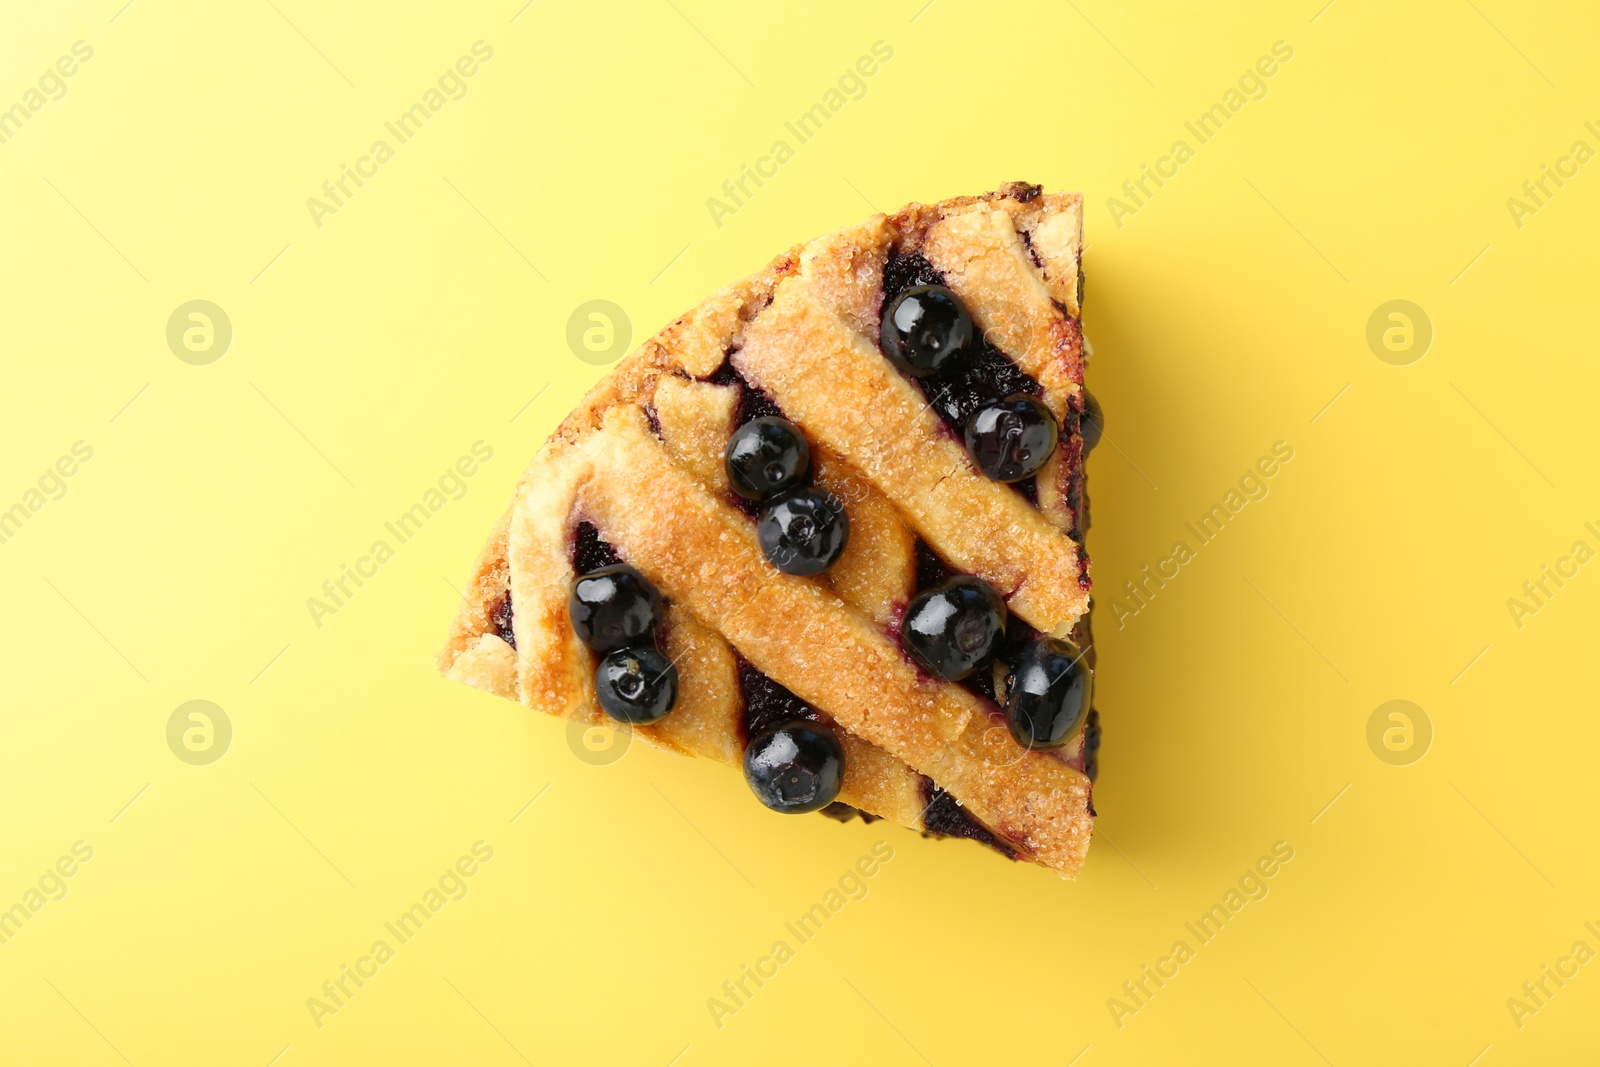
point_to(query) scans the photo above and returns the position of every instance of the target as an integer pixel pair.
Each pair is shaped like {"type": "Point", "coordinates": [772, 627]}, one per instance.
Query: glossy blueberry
{"type": "Point", "coordinates": [925, 329]}
{"type": "Point", "coordinates": [766, 457]}
{"type": "Point", "coordinates": [954, 627]}
{"type": "Point", "coordinates": [637, 684]}
{"type": "Point", "coordinates": [1048, 695]}
{"type": "Point", "coordinates": [612, 607]}
{"type": "Point", "coordinates": [803, 531]}
{"type": "Point", "coordinates": [1010, 439]}
{"type": "Point", "coordinates": [796, 767]}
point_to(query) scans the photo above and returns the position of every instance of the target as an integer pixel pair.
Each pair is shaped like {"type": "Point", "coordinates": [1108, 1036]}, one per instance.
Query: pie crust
{"type": "Point", "coordinates": [640, 460]}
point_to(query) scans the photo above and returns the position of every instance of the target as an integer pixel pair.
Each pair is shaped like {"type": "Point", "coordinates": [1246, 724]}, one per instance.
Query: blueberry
{"type": "Point", "coordinates": [804, 531]}
{"type": "Point", "coordinates": [613, 607]}
{"type": "Point", "coordinates": [954, 627]}
{"type": "Point", "coordinates": [1010, 439]}
{"type": "Point", "coordinates": [1048, 693]}
{"type": "Point", "coordinates": [765, 457]}
{"type": "Point", "coordinates": [925, 329]}
{"type": "Point", "coordinates": [637, 684]}
{"type": "Point", "coordinates": [1092, 423]}
{"type": "Point", "coordinates": [796, 767]}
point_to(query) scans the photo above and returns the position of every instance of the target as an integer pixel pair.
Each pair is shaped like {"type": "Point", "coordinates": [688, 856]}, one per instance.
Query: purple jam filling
{"type": "Point", "coordinates": [944, 815]}
{"type": "Point", "coordinates": [725, 374]}
{"type": "Point", "coordinates": [844, 813]}
{"type": "Point", "coordinates": [902, 272]}
{"type": "Point", "coordinates": [500, 617]}
{"type": "Point", "coordinates": [1027, 242]}
{"type": "Point", "coordinates": [753, 402]}
{"type": "Point", "coordinates": [987, 375]}
{"type": "Point", "coordinates": [1018, 635]}
{"type": "Point", "coordinates": [590, 552]}
{"type": "Point", "coordinates": [1091, 748]}
{"type": "Point", "coordinates": [1022, 192]}
{"type": "Point", "coordinates": [981, 683]}
{"type": "Point", "coordinates": [931, 570]}
{"type": "Point", "coordinates": [767, 703]}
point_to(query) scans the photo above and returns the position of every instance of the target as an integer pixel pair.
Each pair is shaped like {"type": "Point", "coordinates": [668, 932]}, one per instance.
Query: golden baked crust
{"type": "Point", "coordinates": [641, 460]}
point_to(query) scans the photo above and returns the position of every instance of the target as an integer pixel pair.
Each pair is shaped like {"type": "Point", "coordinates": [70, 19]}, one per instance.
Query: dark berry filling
{"type": "Point", "coordinates": [767, 704]}
{"type": "Point", "coordinates": [981, 683]}
{"type": "Point", "coordinates": [1091, 745]}
{"type": "Point", "coordinates": [902, 272]}
{"type": "Point", "coordinates": [725, 374]}
{"type": "Point", "coordinates": [590, 551]}
{"type": "Point", "coordinates": [944, 815]}
{"type": "Point", "coordinates": [500, 617]}
{"type": "Point", "coordinates": [986, 377]}
{"type": "Point", "coordinates": [756, 404]}
{"type": "Point", "coordinates": [753, 402]}
{"type": "Point", "coordinates": [989, 375]}
{"type": "Point", "coordinates": [1022, 192]}
{"type": "Point", "coordinates": [931, 570]}
{"type": "Point", "coordinates": [1027, 242]}
{"type": "Point", "coordinates": [793, 760]}
{"type": "Point", "coordinates": [1019, 635]}
{"type": "Point", "coordinates": [844, 813]}
{"type": "Point", "coordinates": [1092, 423]}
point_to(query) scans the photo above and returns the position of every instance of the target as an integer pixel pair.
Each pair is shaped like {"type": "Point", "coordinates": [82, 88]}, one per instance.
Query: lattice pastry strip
{"type": "Point", "coordinates": [876, 571]}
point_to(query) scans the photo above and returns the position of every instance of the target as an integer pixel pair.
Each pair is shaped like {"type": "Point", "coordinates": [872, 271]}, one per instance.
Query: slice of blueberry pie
{"type": "Point", "coordinates": [828, 528]}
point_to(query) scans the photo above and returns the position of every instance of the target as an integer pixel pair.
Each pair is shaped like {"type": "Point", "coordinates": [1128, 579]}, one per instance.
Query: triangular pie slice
{"type": "Point", "coordinates": [639, 475]}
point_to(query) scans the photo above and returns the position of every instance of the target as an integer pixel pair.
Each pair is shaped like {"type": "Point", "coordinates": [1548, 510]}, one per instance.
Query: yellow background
{"type": "Point", "coordinates": [1228, 313]}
